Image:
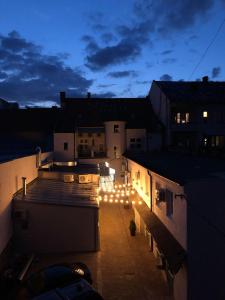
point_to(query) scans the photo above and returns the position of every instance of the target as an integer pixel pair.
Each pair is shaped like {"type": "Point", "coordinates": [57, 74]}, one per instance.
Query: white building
{"type": "Point", "coordinates": [176, 217]}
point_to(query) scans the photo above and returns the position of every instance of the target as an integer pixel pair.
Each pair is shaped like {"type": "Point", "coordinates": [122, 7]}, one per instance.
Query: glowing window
{"type": "Point", "coordinates": [205, 114]}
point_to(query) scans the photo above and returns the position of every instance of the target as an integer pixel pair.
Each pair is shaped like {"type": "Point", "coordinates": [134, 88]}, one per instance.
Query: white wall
{"type": "Point", "coordinates": [142, 186]}
{"type": "Point", "coordinates": [59, 152]}
{"type": "Point", "coordinates": [11, 174]}
{"type": "Point", "coordinates": [177, 223]}
{"type": "Point", "coordinates": [136, 133]}
{"type": "Point", "coordinates": [115, 139]}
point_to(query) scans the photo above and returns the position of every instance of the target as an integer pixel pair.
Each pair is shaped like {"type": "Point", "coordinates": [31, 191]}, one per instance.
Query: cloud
{"type": "Point", "coordinates": [166, 77]}
{"type": "Point", "coordinates": [169, 60]}
{"type": "Point", "coordinates": [104, 95]}
{"type": "Point", "coordinates": [166, 52]}
{"type": "Point", "coordinates": [28, 75]}
{"type": "Point", "coordinates": [122, 52]}
{"type": "Point", "coordinates": [107, 37]}
{"type": "Point", "coordinates": [120, 74]}
{"type": "Point", "coordinates": [143, 82]}
{"type": "Point", "coordinates": [216, 72]}
{"type": "Point", "coordinates": [172, 15]}
{"type": "Point", "coordinates": [106, 85]}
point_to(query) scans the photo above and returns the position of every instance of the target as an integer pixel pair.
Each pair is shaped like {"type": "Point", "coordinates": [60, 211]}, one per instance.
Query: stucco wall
{"type": "Point", "coordinates": [135, 134]}
{"type": "Point", "coordinates": [59, 152]}
{"type": "Point", "coordinates": [115, 139]}
{"type": "Point", "coordinates": [177, 222]}
{"type": "Point", "coordinates": [57, 228]}
{"type": "Point", "coordinates": [142, 186]}
{"type": "Point", "coordinates": [11, 174]}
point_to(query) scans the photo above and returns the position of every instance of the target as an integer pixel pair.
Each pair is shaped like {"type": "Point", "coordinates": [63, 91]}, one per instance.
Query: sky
{"type": "Point", "coordinates": [107, 47]}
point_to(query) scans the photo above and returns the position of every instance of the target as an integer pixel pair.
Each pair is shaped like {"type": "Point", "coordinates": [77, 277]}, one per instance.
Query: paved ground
{"type": "Point", "coordinates": [124, 268]}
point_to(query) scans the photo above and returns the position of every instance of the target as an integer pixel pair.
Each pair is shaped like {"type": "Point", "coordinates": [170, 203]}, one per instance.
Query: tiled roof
{"type": "Point", "coordinates": [193, 91]}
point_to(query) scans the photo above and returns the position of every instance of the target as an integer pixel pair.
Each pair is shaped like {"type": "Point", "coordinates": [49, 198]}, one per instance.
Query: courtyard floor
{"type": "Point", "coordinates": [124, 269]}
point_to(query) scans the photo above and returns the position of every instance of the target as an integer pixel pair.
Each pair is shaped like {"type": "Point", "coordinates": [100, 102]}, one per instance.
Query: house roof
{"type": "Point", "coordinates": [193, 91]}
{"type": "Point", "coordinates": [178, 167]}
{"type": "Point", "coordinates": [136, 112]}
{"type": "Point", "coordinates": [57, 192]}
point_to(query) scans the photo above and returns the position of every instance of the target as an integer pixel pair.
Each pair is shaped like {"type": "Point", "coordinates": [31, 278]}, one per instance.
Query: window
{"type": "Point", "coordinates": [135, 143]}
{"type": "Point", "coordinates": [65, 146]}
{"type": "Point", "coordinates": [169, 203]}
{"type": "Point", "coordinates": [99, 134]}
{"type": "Point", "coordinates": [182, 118]}
{"type": "Point", "coordinates": [116, 128]}
{"type": "Point", "coordinates": [132, 140]}
{"type": "Point", "coordinates": [90, 134]}
{"type": "Point", "coordinates": [205, 114]}
{"type": "Point", "coordinates": [80, 134]}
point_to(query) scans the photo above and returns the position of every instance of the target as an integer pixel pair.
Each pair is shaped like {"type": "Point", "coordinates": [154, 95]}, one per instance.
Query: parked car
{"type": "Point", "coordinates": [61, 280]}
{"type": "Point", "coordinates": [80, 290]}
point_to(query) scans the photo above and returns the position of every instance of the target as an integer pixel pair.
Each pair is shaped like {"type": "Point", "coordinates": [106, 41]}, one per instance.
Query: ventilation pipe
{"type": "Point", "coordinates": [24, 180]}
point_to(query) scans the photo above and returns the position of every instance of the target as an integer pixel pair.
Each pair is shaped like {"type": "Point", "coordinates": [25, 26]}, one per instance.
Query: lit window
{"type": "Point", "coordinates": [187, 116]}
{"type": "Point", "coordinates": [178, 118]}
{"type": "Point", "coordinates": [205, 114]}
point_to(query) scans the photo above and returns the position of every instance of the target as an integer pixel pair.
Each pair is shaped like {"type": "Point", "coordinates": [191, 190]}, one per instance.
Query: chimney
{"type": "Point", "coordinates": [24, 180]}
{"type": "Point", "coordinates": [205, 79]}
{"type": "Point", "coordinates": [88, 95]}
{"type": "Point", "coordinates": [62, 99]}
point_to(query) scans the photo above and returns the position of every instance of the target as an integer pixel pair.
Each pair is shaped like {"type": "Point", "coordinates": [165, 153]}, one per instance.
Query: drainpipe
{"type": "Point", "coordinates": [24, 180]}
{"type": "Point", "coordinates": [150, 175]}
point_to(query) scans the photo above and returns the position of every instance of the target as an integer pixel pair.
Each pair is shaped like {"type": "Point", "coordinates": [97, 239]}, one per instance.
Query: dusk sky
{"type": "Point", "coordinates": [110, 48]}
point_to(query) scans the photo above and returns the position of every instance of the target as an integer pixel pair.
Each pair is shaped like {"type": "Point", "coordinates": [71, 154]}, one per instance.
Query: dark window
{"type": "Point", "coordinates": [99, 134]}
{"type": "Point", "coordinates": [80, 134]}
{"type": "Point", "coordinates": [138, 140]}
{"type": "Point", "coordinates": [85, 141]}
{"type": "Point", "coordinates": [90, 134]}
{"type": "Point", "coordinates": [93, 142]}
{"type": "Point", "coordinates": [65, 146]}
{"type": "Point", "coordinates": [81, 141]}
{"type": "Point", "coordinates": [132, 140]}
{"type": "Point", "coordinates": [116, 128]}
{"type": "Point", "coordinates": [138, 146]}
{"type": "Point", "coordinates": [169, 203]}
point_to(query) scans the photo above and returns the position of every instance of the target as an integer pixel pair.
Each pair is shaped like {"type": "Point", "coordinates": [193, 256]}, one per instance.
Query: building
{"type": "Point", "coordinates": [192, 112]}
{"type": "Point", "coordinates": [97, 130]}
{"type": "Point", "coordinates": [182, 220]}
{"type": "Point", "coordinates": [49, 213]}
{"type": "Point", "coordinates": [8, 105]}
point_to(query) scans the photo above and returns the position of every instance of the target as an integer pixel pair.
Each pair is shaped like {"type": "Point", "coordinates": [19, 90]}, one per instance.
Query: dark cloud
{"type": "Point", "coordinates": [172, 15]}
{"type": "Point", "coordinates": [29, 75]}
{"type": "Point", "coordinates": [166, 77]}
{"type": "Point", "coordinates": [142, 82]}
{"type": "Point", "coordinates": [122, 52]}
{"type": "Point", "coordinates": [169, 60]}
{"type": "Point", "coordinates": [106, 85]}
{"type": "Point", "coordinates": [107, 37]}
{"type": "Point", "coordinates": [120, 74]}
{"type": "Point", "coordinates": [104, 95]}
{"type": "Point", "coordinates": [166, 52]}
{"type": "Point", "coordinates": [216, 72]}
{"type": "Point", "coordinates": [91, 45]}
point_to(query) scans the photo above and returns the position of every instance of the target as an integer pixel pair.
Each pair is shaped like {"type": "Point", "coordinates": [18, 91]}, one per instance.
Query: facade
{"type": "Point", "coordinates": [192, 112]}
{"type": "Point", "coordinates": [12, 169]}
{"type": "Point", "coordinates": [49, 217]}
{"type": "Point", "coordinates": [178, 216]}
{"type": "Point", "coordinates": [97, 130]}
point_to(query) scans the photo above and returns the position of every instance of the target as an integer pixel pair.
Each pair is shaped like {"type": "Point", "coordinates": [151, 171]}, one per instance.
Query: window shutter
{"type": "Point", "coordinates": [169, 203]}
